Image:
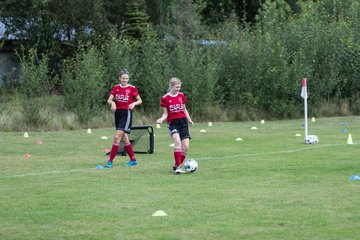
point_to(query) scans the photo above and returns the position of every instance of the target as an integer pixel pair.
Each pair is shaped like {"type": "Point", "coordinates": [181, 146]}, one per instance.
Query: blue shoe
{"type": "Point", "coordinates": [131, 163]}
{"type": "Point", "coordinates": [108, 164]}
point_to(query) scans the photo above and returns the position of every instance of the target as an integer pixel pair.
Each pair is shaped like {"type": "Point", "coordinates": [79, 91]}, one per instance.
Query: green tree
{"type": "Point", "coordinates": [114, 12]}
{"type": "Point", "coordinates": [136, 20]}
{"type": "Point", "coordinates": [35, 83]}
{"type": "Point", "coordinates": [158, 11]}
{"type": "Point", "coordinates": [184, 21]}
{"type": "Point", "coordinates": [55, 27]}
{"type": "Point", "coordinates": [84, 83]}
{"type": "Point", "coordinates": [216, 12]}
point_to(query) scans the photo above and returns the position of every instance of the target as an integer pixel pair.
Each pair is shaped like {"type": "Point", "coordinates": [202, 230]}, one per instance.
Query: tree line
{"type": "Point", "coordinates": [56, 27]}
{"type": "Point", "coordinates": [234, 65]}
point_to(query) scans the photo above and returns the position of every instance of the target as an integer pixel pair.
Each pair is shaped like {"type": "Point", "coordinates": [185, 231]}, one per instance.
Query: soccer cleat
{"type": "Point", "coordinates": [178, 170]}
{"type": "Point", "coordinates": [108, 164]}
{"type": "Point", "coordinates": [131, 163]}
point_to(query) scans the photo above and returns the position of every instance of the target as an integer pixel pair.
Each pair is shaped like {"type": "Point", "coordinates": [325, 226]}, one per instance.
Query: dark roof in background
{"type": "Point", "coordinates": [2, 33]}
{"type": "Point", "coordinates": [62, 34]}
{"type": "Point", "coordinates": [2, 30]}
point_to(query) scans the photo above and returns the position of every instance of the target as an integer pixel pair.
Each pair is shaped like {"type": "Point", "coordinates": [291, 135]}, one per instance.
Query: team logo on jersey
{"type": "Point", "coordinates": [176, 108]}
{"type": "Point", "coordinates": [121, 98]}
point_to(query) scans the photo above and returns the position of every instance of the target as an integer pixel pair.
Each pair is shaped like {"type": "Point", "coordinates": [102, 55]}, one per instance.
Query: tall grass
{"type": "Point", "coordinates": [52, 116]}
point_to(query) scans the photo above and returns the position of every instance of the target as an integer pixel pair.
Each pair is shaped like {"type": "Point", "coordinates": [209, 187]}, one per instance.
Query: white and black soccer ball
{"type": "Point", "coordinates": [191, 165]}
{"type": "Point", "coordinates": [311, 139]}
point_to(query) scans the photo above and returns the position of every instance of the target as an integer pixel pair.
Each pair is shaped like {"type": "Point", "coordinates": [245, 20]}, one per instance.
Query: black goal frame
{"type": "Point", "coordinates": [134, 140]}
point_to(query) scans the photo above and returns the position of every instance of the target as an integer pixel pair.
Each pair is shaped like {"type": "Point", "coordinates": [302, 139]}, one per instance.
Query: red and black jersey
{"type": "Point", "coordinates": [174, 105]}
{"type": "Point", "coordinates": [123, 96]}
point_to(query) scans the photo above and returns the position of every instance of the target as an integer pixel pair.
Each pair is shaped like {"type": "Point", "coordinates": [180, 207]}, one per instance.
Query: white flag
{"type": "Point", "coordinates": [304, 88]}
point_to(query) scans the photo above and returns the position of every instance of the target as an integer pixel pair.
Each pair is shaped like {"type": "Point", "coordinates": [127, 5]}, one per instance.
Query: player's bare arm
{"type": "Point", "coordinates": [188, 116]}
{"type": "Point", "coordinates": [163, 117]}
{"type": "Point", "coordinates": [111, 102]}
{"type": "Point", "coordinates": [137, 102]}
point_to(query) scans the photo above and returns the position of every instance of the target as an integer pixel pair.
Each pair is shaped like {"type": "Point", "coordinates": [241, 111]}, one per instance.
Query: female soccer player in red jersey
{"type": "Point", "coordinates": [178, 118]}
{"type": "Point", "coordinates": [121, 100]}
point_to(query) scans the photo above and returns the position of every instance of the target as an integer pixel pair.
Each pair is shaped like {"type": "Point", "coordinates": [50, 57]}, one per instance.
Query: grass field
{"type": "Point", "coordinates": [269, 186]}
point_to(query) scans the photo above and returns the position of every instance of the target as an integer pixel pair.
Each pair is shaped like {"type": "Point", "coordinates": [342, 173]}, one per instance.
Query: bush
{"type": "Point", "coordinates": [34, 83]}
{"type": "Point", "coordinates": [35, 74]}
{"type": "Point", "coordinates": [84, 83]}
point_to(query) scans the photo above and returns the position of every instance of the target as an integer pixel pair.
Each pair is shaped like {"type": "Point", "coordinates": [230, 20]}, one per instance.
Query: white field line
{"type": "Point", "coordinates": [203, 158]}
{"type": "Point", "coordinates": [45, 173]}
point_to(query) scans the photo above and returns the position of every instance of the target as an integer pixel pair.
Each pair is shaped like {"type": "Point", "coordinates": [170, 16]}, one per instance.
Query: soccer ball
{"type": "Point", "coordinates": [311, 139]}
{"type": "Point", "coordinates": [191, 165]}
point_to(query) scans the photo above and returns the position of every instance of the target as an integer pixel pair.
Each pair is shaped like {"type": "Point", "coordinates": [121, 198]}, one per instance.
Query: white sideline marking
{"type": "Point", "coordinates": [47, 173]}
{"type": "Point", "coordinates": [204, 158]}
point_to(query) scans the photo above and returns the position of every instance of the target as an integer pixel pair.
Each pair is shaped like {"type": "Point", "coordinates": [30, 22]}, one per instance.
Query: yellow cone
{"type": "Point", "coordinates": [313, 119]}
{"type": "Point", "coordinates": [26, 135]}
{"type": "Point", "coordinates": [350, 141]}
{"type": "Point", "coordinates": [158, 125]}
{"type": "Point", "coordinates": [89, 130]}
{"type": "Point", "coordinates": [159, 213]}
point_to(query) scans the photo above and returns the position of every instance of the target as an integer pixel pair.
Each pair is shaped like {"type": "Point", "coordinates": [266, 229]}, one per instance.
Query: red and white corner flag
{"type": "Point", "coordinates": [304, 88]}
{"type": "Point", "coordinates": [304, 96]}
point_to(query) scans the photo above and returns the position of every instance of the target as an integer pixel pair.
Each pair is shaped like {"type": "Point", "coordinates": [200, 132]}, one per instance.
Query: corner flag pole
{"type": "Point", "coordinates": [305, 96]}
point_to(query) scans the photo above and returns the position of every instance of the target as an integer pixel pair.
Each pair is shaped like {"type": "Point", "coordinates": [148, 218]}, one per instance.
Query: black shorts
{"type": "Point", "coordinates": [181, 127]}
{"type": "Point", "coordinates": [123, 120]}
